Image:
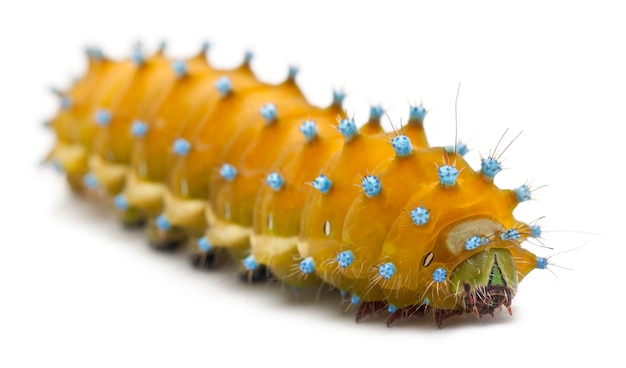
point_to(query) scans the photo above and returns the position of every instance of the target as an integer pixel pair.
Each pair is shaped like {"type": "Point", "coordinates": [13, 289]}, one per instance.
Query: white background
{"type": "Point", "coordinates": [76, 290]}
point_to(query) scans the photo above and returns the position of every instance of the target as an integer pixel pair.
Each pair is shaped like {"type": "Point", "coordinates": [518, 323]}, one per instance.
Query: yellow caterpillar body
{"type": "Point", "coordinates": [224, 162]}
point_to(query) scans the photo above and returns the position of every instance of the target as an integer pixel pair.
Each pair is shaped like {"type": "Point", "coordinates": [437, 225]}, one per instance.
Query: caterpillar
{"type": "Point", "coordinates": [228, 167]}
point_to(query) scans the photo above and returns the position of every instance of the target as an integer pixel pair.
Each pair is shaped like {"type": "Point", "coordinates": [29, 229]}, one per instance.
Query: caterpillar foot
{"type": "Point", "coordinates": [209, 259]}
{"type": "Point", "coordinates": [259, 274]}
{"type": "Point", "coordinates": [370, 310]}
{"type": "Point", "coordinates": [204, 260]}
{"type": "Point", "coordinates": [443, 314]}
{"type": "Point", "coordinates": [132, 220]}
{"type": "Point", "coordinates": [405, 313]}
{"type": "Point", "coordinates": [133, 224]}
{"type": "Point", "coordinates": [165, 238]}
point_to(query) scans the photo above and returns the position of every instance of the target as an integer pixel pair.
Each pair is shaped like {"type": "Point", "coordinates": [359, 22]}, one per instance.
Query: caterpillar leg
{"type": "Point", "coordinates": [111, 177]}
{"type": "Point", "coordinates": [281, 257]}
{"type": "Point", "coordinates": [206, 259]}
{"type": "Point", "coordinates": [260, 273]}
{"type": "Point", "coordinates": [164, 238]}
{"type": "Point", "coordinates": [407, 312]}
{"type": "Point", "coordinates": [132, 220]}
{"type": "Point", "coordinates": [367, 310]}
{"type": "Point", "coordinates": [181, 219]}
{"type": "Point", "coordinates": [443, 314]}
{"type": "Point", "coordinates": [143, 201]}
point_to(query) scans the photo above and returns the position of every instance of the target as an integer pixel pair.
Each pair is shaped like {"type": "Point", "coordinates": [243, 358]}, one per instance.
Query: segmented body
{"type": "Point", "coordinates": [224, 161]}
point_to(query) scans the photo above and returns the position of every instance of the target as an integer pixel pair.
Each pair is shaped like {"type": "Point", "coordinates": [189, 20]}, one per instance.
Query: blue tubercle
{"type": "Point", "coordinates": [181, 147]}
{"type": "Point", "coordinates": [535, 231]}
{"type": "Point", "coordinates": [250, 263]}
{"type": "Point", "coordinates": [223, 85]}
{"type": "Point", "coordinates": [120, 202]}
{"type": "Point", "coordinates": [338, 97]}
{"type": "Point", "coordinates": [137, 56]}
{"type": "Point", "coordinates": [461, 149]}
{"type": "Point", "coordinates": [275, 181]}
{"type": "Point", "coordinates": [355, 299]}
{"type": "Point", "coordinates": [139, 129]}
{"type": "Point", "coordinates": [322, 183]}
{"type": "Point", "coordinates": [510, 234]}
{"type": "Point", "coordinates": [542, 263]}
{"type": "Point", "coordinates": [475, 242]}
{"type": "Point", "coordinates": [426, 301]}
{"type": "Point", "coordinates": [522, 193]}
{"type": "Point", "coordinates": [489, 167]}
{"type": "Point", "coordinates": [309, 129]}
{"type": "Point", "coordinates": [95, 53]}
{"type": "Point", "coordinates": [57, 166]}
{"type": "Point", "coordinates": [345, 258]}
{"type": "Point", "coordinates": [440, 274]}
{"type": "Point", "coordinates": [402, 145]}
{"type": "Point", "coordinates": [420, 215]}
{"type": "Point", "coordinates": [392, 308]}
{"type": "Point", "coordinates": [247, 57]}
{"type": "Point", "coordinates": [447, 175]}
{"type": "Point", "coordinates": [102, 117]}
{"type": "Point", "coordinates": [387, 270]}
{"type": "Point", "coordinates": [371, 185]}
{"type": "Point", "coordinates": [228, 172]}
{"type": "Point", "coordinates": [293, 71]}
{"type": "Point", "coordinates": [269, 112]}
{"type": "Point", "coordinates": [90, 181]}
{"type": "Point", "coordinates": [180, 68]}
{"type": "Point", "coordinates": [376, 112]}
{"type": "Point", "coordinates": [417, 113]}
{"type": "Point", "coordinates": [204, 244]}
{"type": "Point", "coordinates": [307, 265]}
{"type": "Point", "coordinates": [162, 222]}
{"type": "Point", "coordinates": [347, 128]}
{"type": "Point", "coordinates": [206, 46]}
{"type": "Point", "coordinates": [66, 102]}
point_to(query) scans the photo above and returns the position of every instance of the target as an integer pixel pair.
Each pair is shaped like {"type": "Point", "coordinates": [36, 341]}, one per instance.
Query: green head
{"type": "Point", "coordinates": [486, 281]}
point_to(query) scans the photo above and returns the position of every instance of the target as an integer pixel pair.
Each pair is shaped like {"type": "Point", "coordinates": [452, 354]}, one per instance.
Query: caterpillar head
{"type": "Point", "coordinates": [467, 254]}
